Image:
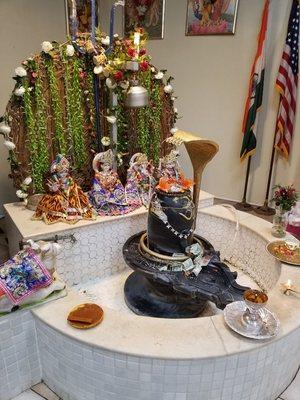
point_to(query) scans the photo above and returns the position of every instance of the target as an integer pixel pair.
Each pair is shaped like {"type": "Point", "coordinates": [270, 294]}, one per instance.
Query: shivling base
{"type": "Point", "coordinates": [169, 294]}
{"type": "Point", "coordinates": [146, 298]}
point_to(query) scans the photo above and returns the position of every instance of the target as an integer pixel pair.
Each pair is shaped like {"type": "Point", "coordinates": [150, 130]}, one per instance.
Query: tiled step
{"type": "Point", "coordinates": [44, 391]}
{"type": "Point", "coordinates": [293, 391]}
{"type": "Point", "coordinates": [38, 392]}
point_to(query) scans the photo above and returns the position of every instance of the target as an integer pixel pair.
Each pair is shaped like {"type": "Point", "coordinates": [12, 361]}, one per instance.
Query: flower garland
{"type": "Point", "coordinates": [57, 90]}
{"type": "Point", "coordinates": [56, 106]}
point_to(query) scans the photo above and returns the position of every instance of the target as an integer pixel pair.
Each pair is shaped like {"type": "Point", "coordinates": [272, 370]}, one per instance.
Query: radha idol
{"type": "Point", "coordinates": [140, 183]}
{"type": "Point", "coordinates": [108, 194]}
{"type": "Point", "coordinates": [67, 201]}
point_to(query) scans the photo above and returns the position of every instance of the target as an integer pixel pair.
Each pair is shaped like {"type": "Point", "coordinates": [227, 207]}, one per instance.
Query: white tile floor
{"type": "Point", "coordinates": [291, 393]}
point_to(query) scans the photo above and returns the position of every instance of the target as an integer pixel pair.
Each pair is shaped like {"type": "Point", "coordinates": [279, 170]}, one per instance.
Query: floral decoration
{"type": "Point", "coordinates": [285, 197]}
{"type": "Point", "coordinates": [53, 108]}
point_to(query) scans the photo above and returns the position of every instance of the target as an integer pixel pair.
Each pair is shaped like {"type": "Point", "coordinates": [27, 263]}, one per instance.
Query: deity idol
{"type": "Point", "coordinates": [108, 194]}
{"type": "Point", "coordinates": [140, 181]}
{"type": "Point", "coordinates": [67, 201]}
{"type": "Point", "coordinates": [208, 14]}
{"type": "Point", "coordinates": [171, 175]}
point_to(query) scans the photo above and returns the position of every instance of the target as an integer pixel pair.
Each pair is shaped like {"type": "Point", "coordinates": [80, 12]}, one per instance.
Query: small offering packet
{"type": "Point", "coordinates": [23, 275]}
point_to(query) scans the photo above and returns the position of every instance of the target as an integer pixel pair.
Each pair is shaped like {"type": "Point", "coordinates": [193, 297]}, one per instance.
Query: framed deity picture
{"type": "Point", "coordinates": [79, 16]}
{"type": "Point", "coordinates": [147, 14]}
{"type": "Point", "coordinates": [211, 17]}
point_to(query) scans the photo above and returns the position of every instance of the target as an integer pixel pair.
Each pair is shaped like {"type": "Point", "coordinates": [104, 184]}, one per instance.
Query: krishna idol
{"type": "Point", "coordinates": [67, 201]}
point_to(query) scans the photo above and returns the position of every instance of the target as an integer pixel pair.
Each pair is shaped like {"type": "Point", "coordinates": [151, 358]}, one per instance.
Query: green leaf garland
{"type": "Point", "coordinates": [32, 142]}
{"type": "Point", "coordinates": [77, 116]}
{"type": "Point", "coordinates": [56, 106]}
{"type": "Point", "coordinates": [122, 123]}
{"type": "Point", "coordinates": [156, 112]}
{"type": "Point", "coordinates": [42, 157]}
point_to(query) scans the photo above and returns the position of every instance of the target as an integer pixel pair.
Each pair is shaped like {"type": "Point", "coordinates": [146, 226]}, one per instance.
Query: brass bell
{"type": "Point", "coordinates": [137, 96]}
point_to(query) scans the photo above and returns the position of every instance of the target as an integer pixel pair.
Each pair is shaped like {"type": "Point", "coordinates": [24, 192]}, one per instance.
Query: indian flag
{"type": "Point", "coordinates": [255, 93]}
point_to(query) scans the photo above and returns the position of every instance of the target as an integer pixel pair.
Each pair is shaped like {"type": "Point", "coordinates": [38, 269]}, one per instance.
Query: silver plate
{"type": "Point", "coordinates": [233, 317]}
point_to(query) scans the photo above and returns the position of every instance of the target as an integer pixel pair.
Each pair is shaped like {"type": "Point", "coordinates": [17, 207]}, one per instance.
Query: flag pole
{"type": "Point", "coordinates": [286, 83]}
{"type": "Point", "coordinates": [253, 104]}
{"type": "Point", "coordinates": [265, 209]}
{"type": "Point", "coordinates": [243, 205]}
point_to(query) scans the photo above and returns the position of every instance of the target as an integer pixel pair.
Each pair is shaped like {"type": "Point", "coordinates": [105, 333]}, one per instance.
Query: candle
{"type": "Point", "coordinates": [288, 284]}
{"type": "Point", "coordinates": [288, 287]}
{"type": "Point", "coordinates": [136, 41]}
{"type": "Point", "coordinates": [137, 38]}
{"type": "Point", "coordinates": [112, 24]}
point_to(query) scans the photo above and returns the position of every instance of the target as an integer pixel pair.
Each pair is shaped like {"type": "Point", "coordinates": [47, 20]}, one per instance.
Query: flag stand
{"type": "Point", "coordinates": [243, 205]}
{"type": "Point", "coordinates": [265, 209]}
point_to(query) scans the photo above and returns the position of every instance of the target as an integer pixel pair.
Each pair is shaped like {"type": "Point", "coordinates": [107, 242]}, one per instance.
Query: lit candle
{"type": "Point", "coordinates": [136, 41]}
{"type": "Point", "coordinates": [288, 287]}
{"type": "Point", "coordinates": [288, 284]}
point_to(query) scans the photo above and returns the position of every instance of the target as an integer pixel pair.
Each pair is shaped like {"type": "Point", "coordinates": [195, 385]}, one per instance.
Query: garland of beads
{"type": "Point", "coordinates": [56, 107]}
{"type": "Point", "coordinates": [42, 159]}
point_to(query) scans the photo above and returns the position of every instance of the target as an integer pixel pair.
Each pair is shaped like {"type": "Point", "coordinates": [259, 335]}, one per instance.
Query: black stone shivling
{"type": "Point", "coordinates": [173, 232]}
{"type": "Point", "coordinates": [167, 294]}
{"type": "Point", "coordinates": [175, 271]}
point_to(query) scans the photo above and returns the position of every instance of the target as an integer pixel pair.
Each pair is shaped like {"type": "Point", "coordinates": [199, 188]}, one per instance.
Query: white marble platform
{"type": "Point", "coordinates": [20, 217]}
{"type": "Point", "coordinates": [98, 249]}
{"type": "Point", "coordinates": [133, 357]}
{"type": "Point", "coordinates": [130, 357]}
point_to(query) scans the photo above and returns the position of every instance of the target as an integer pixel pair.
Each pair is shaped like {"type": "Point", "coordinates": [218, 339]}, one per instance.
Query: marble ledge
{"type": "Point", "coordinates": [29, 229]}
{"type": "Point", "coordinates": [256, 224]}
{"type": "Point", "coordinates": [204, 338]}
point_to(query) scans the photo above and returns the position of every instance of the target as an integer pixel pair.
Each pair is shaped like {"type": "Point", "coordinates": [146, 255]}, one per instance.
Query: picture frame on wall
{"type": "Point", "coordinates": [146, 14]}
{"type": "Point", "coordinates": [79, 16]}
{"type": "Point", "coordinates": [211, 17]}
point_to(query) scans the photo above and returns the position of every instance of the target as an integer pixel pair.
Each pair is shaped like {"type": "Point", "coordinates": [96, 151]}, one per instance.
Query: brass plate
{"type": "Point", "coordinates": [288, 259]}
{"type": "Point", "coordinates": [90, 310]}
